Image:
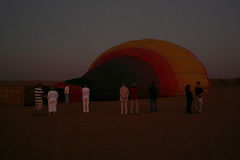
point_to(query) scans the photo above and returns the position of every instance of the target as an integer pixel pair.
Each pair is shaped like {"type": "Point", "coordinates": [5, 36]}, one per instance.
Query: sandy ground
{"type": "Point", "coordinates": [105, 134]}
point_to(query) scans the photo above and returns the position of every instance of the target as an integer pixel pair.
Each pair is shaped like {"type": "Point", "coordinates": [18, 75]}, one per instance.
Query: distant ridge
{"type": "Point", "coordinates": [27, 83]}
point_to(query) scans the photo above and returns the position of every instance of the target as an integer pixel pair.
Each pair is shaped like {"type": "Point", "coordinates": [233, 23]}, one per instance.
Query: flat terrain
{"type": "Point", "coordinates": [105, 134]}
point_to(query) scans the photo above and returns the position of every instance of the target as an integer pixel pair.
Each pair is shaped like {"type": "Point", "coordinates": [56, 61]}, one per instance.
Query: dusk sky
{"type": "Point", "coordinates": [59, 39]}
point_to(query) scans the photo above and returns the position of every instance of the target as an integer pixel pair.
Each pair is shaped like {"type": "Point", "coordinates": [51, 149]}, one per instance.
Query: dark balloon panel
{"type": "Point", "coordinates": [141, 61]}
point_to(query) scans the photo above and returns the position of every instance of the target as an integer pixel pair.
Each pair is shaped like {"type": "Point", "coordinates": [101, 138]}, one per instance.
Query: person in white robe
{"type": "Point", "coordinates": [52, 102]}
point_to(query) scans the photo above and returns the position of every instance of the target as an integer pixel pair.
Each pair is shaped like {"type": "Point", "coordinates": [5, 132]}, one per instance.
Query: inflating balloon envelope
{"type": "Point", "coordinates": [171, 67]}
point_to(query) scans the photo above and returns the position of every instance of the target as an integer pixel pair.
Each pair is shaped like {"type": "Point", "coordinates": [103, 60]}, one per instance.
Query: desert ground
{"type": "Point", "coordinates": [105, 134]}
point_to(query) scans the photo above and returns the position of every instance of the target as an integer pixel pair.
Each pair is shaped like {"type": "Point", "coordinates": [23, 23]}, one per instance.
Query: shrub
{"type": "Point", "coordinates": [222, 81]}
{"type": "Point", "coordinates": [237, 80]}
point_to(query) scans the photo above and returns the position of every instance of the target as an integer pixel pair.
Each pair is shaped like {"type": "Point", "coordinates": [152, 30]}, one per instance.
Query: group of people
{"type": "Point", "coordinates": [85, 97]}
{"type": "Point", "coordinates": [199, 101]}
{"type": "Point", "coordinates": [52, 97]}
{"type": "Point", "coordinates": [125, 93]}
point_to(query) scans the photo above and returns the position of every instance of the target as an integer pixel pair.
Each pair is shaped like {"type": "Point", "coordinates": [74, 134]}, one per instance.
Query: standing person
{"type": "Point", "coordinates": [66, 92]}
{"type": "Point", "coordinates": [134, 98]}
{"type": "Point", "coordinates": [199, 93]}
{"type": "Point", "coordinates": [38, 93]}
{"type": "Point", "coordinates": [52, 101]}
{"type": "Point", "coordinates": [85, 98]}
{"type": "Point", "coordinates": [124, 92]}
{"type": "Point", "coordinates": [153, 96]}
{"type": "Point", "coordinates": [189, 98]}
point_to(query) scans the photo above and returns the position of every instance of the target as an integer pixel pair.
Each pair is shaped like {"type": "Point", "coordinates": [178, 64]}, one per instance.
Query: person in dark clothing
{"type": "Point", "coordinates": [189, 98]}
{"type": "Point", "coordinates": [153, 96]}
{"type": "Point", "coordinates": [199, 93]}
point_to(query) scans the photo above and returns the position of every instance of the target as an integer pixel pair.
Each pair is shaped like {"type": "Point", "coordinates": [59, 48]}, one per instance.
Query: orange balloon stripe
{"type": "Point", "coordinates": [168, 81]}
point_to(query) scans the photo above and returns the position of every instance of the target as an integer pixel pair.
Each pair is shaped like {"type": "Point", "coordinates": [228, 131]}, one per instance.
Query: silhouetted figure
{"type": "Point", "coordinates": [199, 93]}
{"type": "Point", "coordinates": [153, 96]}
{"type": "Point", "coordinates": [189, 98]}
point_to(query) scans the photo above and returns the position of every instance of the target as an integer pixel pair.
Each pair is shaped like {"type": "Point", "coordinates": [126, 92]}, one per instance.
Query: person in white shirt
{"type": "Point", "coordinates": [66, 92]}
{"type": "Point", "coordinates": [85, 99]}
{"type": "Point", "coordinates": [124, 93]}
{"type": "Point", "coordinates": [52, 101]}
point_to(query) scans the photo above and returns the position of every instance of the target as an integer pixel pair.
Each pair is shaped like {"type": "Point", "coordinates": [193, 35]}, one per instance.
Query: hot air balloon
{"type": "Point", "coordinates": [171, 66]}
